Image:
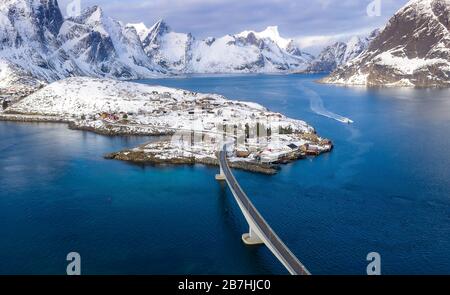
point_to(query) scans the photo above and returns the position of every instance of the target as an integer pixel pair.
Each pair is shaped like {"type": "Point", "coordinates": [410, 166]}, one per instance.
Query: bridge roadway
{"type": "Point", "coordinates": [260, 231]}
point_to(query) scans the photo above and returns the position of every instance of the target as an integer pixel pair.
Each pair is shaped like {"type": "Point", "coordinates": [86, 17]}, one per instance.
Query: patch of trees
{"type": "Point", "coordinates": [287, 130]}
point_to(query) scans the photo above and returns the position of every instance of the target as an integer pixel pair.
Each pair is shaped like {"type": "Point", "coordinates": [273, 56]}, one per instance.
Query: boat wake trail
{"type": "Point", "coordinates": [316, 104]}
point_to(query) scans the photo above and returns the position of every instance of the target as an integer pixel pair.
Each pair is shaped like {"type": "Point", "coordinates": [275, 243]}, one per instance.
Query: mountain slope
{"type": "Point", "coordinates": [168, 49]}
{"type": "Point", "coordinates": [248, 51]}
{"type": "Point", "coordinates": [103, 47]}
{"type": "Point", "coordinates": [38, 41]}
{"type": "Point", "coordinates": [16, 83]}
{"type": "Point", "coordinates": [35, 37]}
{"type": "Point", "coordinates": [412, 50]}
{"type": "Point", "coordinates": [28, 34]}
{"type": "Point", "coordinates": [340, 53]}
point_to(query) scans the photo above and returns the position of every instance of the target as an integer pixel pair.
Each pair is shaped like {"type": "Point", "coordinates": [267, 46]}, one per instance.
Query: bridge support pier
{"type": "Point", "coordinates": [251, 238]}
{"type": "Point", "coordinates": [221, 176]}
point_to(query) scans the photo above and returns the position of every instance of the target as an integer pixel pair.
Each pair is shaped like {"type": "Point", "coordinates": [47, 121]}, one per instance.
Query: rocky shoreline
{"type": "Point", "coordinates": [32, 118]}
{"type": "Point", "coordinates": [74, 124]}
{"type": "Point", "coordinates": [161, 155]}
{"type": "Point", "coordinates": [196, 123]}
{"type": "Point", "coordinates": [119, 130]}
{"type": "Point", "coordinates": [140, 157]}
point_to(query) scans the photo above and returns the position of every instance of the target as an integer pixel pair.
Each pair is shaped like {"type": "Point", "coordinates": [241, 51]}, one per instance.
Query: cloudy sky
{"type": "Point", "coordinates": [312, 21]}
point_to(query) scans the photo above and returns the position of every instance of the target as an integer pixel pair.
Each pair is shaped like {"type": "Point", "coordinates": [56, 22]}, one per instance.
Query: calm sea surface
{"type": "Point", "coordinates": [385, 188]}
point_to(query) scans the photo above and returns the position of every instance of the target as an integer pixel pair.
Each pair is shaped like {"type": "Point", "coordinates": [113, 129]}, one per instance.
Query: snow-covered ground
{"type": "Point", "coordinates": [197, 122]}
{"type": "Point", "coordinates": [15, 83]}
{"type": "Point", "coordinates": [404, 64]}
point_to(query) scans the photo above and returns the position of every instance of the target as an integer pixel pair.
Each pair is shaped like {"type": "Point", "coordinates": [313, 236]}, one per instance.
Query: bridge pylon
{"type": "Point", "coordinates": [221, 176]}
{"type": "Point", "coordinates": [260, 232]}
{"type": "Point", "coordinates": [251, 239]}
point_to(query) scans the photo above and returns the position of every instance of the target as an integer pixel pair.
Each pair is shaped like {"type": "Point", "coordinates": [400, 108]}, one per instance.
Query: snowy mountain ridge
{"type": "Point", "coordinates": [340, 53]}
{"type": "Point", "coordinates": [37, 43]}
{"type": "Point", "coordinates": [248, 51]}
{"type": "Point", "coordinates": [103, 47]}
{"type": "Point", "coordinates": [37, 40]}
{"type": "Point", "coordinates": [271, 33]}
{"type": "Point", "coordinates": [413, 50]}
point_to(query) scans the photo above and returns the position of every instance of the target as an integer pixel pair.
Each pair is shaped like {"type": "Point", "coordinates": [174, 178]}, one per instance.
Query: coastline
{"type": "Point", "coordinates": [140, 155]}
{"type": "Point", "coordinates": [6, 117]}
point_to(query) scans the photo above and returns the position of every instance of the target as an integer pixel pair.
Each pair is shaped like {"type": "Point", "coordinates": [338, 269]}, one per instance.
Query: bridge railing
{"type": "Point", "coordinates": [264, 227]}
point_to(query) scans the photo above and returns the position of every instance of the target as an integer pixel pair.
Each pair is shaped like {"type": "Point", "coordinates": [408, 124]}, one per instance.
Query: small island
{"type": "Point", "coordinates": [193, 125]}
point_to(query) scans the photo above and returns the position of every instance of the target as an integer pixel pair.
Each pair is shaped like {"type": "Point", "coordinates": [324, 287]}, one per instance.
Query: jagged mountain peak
{"type": "Point", "coordinates": [168, 49]}
{"type": "Point", "coordinates": [90, 15]}
{"type": "Point", "coordinates": [161, 25]}
{"type": "Point", "coordinates": [141, 29]}
{"type": "Point", "coordinates": [374, 34]}
{"type": "Point", "coordinates": [340, 53]}
{"type": "Point", "coordinates": [46, 7]}
{"type": "Point", "coordinates": [272, 33]}
{"type": "Point", "coordinates": [158, 29]}
{"type": "Point", "coordinates": [28, 37]}
{"type": "Point", "coordinates": [355, 40]}
{"type": "Point", "coordinates": [41, 42]}
{"type": "Point", "coordinates": [36, 38]}
{"type": "Point", "coordinates": [245, 52]}
{"type": "Point", "coordinates": [422, 5]}
{"type": "Point", "coordinates": [29, 3]}
{"type": "Point", "coordinates": [94, 12]}
{"type": "Point", "coordinates": [412, 50]}
{"type": "Point", "coordinates": [40, 14]}
{"type": "Point", "coordinates": [149, 35]}
{"type": "Point", "coordinates": [104, 47]}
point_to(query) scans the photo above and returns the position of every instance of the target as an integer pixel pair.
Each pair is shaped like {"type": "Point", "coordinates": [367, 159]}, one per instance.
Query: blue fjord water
{"type": "Point", "coordinates": [384, 188]}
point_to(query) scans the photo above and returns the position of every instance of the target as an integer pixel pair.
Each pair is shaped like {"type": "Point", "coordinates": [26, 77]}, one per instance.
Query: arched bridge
{"type": "Point", "coordinates": [260, 232]}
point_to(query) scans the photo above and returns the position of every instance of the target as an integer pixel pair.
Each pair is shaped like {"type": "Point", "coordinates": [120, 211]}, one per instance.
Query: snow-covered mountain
{"type": "Point", "coordinates": [28, 34]}
{"type": "Point", "coordinates": [168, 49]}
{"type": "Point", "coordinates": [286, 45]}
{"type": "Point", "coordinates": [11, 75]}
{"type": "Point", "coordinates": [102, 47]}
{"type": "Point", "coordinates": [248, 51]}
{"type": "Point", "coordinates": [412, 50]}
{"type": "Point", "coordinates": [36, 39]}
{"type": "Point", "coordinates": [15, 83]}
{"type": "Point", "coordinates": [340, 53]}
